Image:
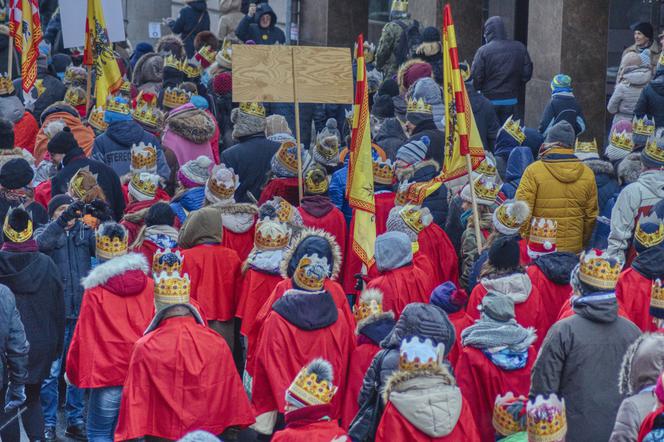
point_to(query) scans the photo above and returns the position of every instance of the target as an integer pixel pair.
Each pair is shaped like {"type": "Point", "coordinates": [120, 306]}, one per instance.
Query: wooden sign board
{"type": "Point", "coordinates": [265, 74]}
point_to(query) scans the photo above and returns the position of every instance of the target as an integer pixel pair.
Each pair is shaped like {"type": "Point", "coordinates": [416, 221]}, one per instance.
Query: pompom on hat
{"type": "Point", "coordinates": [510, 216]}
{"type": "Point", "coordinates": [222, 184]}
{"type": "Point", "coordinates": [542, 239]}
{"type": "Point", "coordinates": [313, 385]}
{"type": "Point", "coordinates": [195, 173]}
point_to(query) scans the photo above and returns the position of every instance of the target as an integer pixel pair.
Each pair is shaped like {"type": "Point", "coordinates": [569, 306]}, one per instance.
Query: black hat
{"type": "Point", "coordinates": [16, 173]}
{"type": "Point", "coordinates": [389, 88]}
{"type": "Point", "coordinates": [160, 214]}
{"type": "Point", "coordinates": [18, 220]}
{"type": "Point", "coordinates": [62, 142]}
{"type": "Point", "coordinates": [60, 62]}
{"type": "Point", "coordinates": [504, 252]}
{"type": "Point", "coordinates": [6, 134]}
{"type": "Point", "coordinates": [430, 34]}
{"type": "Point", "coordinates": [383, 107]}
{"type": "Point", "coordinates": [58, 201]}
{"type": "Point", "coordinates": [645, 28]}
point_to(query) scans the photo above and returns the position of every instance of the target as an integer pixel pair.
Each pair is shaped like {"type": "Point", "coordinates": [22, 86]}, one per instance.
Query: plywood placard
{"type": "Point", "coordinates": [265, 74]}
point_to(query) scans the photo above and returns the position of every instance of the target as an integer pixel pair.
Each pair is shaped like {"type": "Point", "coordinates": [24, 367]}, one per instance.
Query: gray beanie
{"type": "Point", "coordinates": [498, 307]}
{"type": "Point", "coordinates": [197, 171]}
{"type": "Point", "coordinates": [414, 151]}
{"type": "Point", "coordinates": [393, 251]}
{"type": "Point", "coordinates": [246, 124]}
{"type": "Point", "coordinates": [562, 133]}
{"type": "Point", "coordinates": [428, 90]}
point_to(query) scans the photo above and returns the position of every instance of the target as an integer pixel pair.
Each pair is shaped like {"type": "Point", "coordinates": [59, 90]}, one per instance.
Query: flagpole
{"type": "Point", "coordinates": [10, 58]}
{"type": "Point", "coordinates": [296, 102]}
{"type": "Point", "coordinates": [476, 214]}
{"type": "Point", "coordinates": [88, 89]}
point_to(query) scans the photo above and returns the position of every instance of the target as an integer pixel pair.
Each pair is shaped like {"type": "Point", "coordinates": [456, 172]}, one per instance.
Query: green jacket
{"type": "Point", "coordinates": [386, 61]}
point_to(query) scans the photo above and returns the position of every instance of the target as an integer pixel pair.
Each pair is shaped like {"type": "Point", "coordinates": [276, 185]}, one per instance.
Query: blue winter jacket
{"type": "Point", "coordinates": [519, 159]}
{"type": "Point", "coordinates": [189, 201]}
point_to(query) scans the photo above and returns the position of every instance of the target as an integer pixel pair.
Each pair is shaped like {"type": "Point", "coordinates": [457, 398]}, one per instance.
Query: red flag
{"type": "Point", "coordinates": [25, 28]}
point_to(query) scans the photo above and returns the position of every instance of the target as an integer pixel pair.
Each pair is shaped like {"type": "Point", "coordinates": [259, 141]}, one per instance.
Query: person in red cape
{"type": "Point", "coordinates": [497, 357]}
{"type": "Point", "coordinates": [116, 309]}
{"type": "Point", "coordinates": [550, 270]}
{"type": "Point", "coordinates": [308, 407]}
{"type": "Point", "coordinates": [214, 270]}
{"type": "Point", "coordinates": [400, 281]}
{"type": "Point", "coordinates": [142, 195]}
{"type": "Point", "coordinates": [317, 210]}
{"type": "Point", "coordinates": [261, 271]}
{"type": "Point", "coordinates": [158, 231]}
{"type": "Point", "coordinates": [652, 427]}
{"type": "Point", "coordinates": [373, 325]}
{"type": "Point", "coordinates": [452, 300]}
{"type": "Point", "coordinates": [303, 324]}
{"type": "Point", "coordinates": [502, 274]}
{"type": "Point", "coordinates": [238, 219]}
{"type": "Point", "coordinates": [634, 285]}
{"type": "Point", "coordinates": [181, 375]}
{"type": "Point", "coordinates": [143, 159]}
{"type": "Point", "coordinates": [423, 402]}
{"type": "Point", "coordinates": [282, 179]}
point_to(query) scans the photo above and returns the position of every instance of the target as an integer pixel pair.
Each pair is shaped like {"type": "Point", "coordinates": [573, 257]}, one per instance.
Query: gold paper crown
{"type": "Point", "coordinates": [148, 115]}
{"type": "Point", "coordinates": [287, 155]}
{"type": "Point", "coordinates": [311, 272]}
{"type": "Point", "coordinates": [643, 126]}
{"type": "Point", "coordinates": [416, 354]}
{"type": "Point", "coordinates": [15, 236]}
{"type": "Point", "coordinates": [82, 182]}
{"type": "Point", "coordinates": [653, 150]}
{"type": "Point", "coordinates": [171, 289]}
{"type": "Point", "coordinates": [75, 96]}
{"type": "Point", "coordinates": [96, 119]}
{"type": "Point", "coordinates": [543, 230]}
{"type": "Point", "coordinates": [506, 218]}
{"type": "Point", "coordinates": [649, 239]}
{"type": "Point", "coordinates": [419, 106]}
{"type": "Point", "coordinates": [367, 308]}
{"type": "Point", "coordinates": [175, 97]}
{"type": "Point", "coordinates": [108, 248]}
{"type": "Point", "coordinates": [487, 168]}
{"type": "Point", "coordinates": [207, 53]}
{"type": "Point", "coordinates": [226, 52]}
{"type": "Point", "coordinates": [167, 261]}
{"type": "Point", "coordinates": [657, 294]}
{"type": "Point", "coordinates": [308, 389]}
{"type": "Point", "coordinates": [400, 6]}
{"type": "Point", "coordinates": [485, 189]}
{"type": "Point", "coordinates": [171, 61]}
{"type": "Point", "coordinates": [415, 217]}
{"type": "Point", "coordinates": [191, 70]}
{"type": "Point", "coordinates": [508, 417]}
{"type": "Point", "coordinates": [513, 128]}
{"type": "Point", "coordinates": [597, 271]}
{"type": "Point", "coordinates": [315, 188]}
{"type": "Point", "coordinates": [547, 420]}
{"type": "Point", "coordinates": [622, 140]}
{"type": "Point", "coordinates": [75, 75]}
{"type": "Point", "coordinates": [660, 61]}
{"type": "Point", "coordinates": [271, 235]}
{"type": "Point", "coordinates": [383, 172]}
{"type": "Point", "coordinates": [586, 146]}
{"type": "Point", "coordinates": [285, 211]}
{"type": "Point", "coordinates": [255, 109]}
{"type": "Point", "coordinates": [6, 85]}
{"type": "Point", "coordinates": [125, 87]}
{"type": "Point", "coordinates": [218, 187]}
{"type": "Point", "coordinates": [145, 183]}
{"type": "Point", "coordinates": [143, 157]}
{"type": "Point", "coordinates": [118, 104]}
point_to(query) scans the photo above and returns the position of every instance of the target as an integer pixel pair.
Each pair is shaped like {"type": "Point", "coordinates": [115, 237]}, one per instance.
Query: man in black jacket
{"type": "Point", "coordinates": [260, 26]}
{"type": "Point", "coordinates": [500, 69]}
{"type": "Point", "coordinates": [193, 18]}
{"type": "Point", "coordinates": [484, 112]}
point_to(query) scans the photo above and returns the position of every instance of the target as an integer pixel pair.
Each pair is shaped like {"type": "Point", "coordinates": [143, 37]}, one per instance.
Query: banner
{"type": "Point", "coordinates": [25, 29]}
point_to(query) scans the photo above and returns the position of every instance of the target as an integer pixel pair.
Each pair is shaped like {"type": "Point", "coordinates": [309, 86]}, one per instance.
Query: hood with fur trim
{"type": "Point", "coordinates": [630, 168]}
{"type": "Point", "coordinates": [401, 73]}
{"type": "Point", "coordinates": [171, 43]}
{"type": "Point", "coordinates": [516, 285]}
{"type": "Point", "coordinates": [294, 253]}
{"type": "Point", "coordinates": [104, 272]}
{"type": "Point", "coordinates": [239, 217]}
{"type": "Point", "coordinates": [194, 125]}
{"type": "Point", "coordinates": [160, 317]}
{"type": "Point", "coordinates": [429, 399]}
{"type": "Point", "coordinates": [642, 364]}
{"type": "Point", "coordinates": [600, 167]}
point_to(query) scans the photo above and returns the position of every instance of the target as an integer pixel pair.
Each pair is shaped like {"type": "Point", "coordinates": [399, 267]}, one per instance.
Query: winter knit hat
{"type": "Point", "coordinates": [547, 420]}
{"type": "Point", "coordinates": [62, 142]}
{"type": "Point", "coordinates": [160, 214]}
{"type": "Point", "coordinates": [448, 297]}
{"type": "Point", "coordinates": [420, 354]}
{"type": "Point", "coordinates": [392, 251]}
{"type": "Point", "coordinates": [316, 181]}
{"type": "Point", "coordinates": [222, 184]}
{"type": "Point", "coordinates": [143, 186]}
{"type": "Point", "coordinates": [83, 186]}
{"type": "Point", "coordinates": [310, 273]}
{"type": "Point", "coordinates": [561, 133]}
{"type": "Point", "coordinates": [276, 124]}
{"type": "Point", "coordinates": [248, 119]}
{"type": "Point", "coordinates": [312, 386]}
{"type": "Point", "coordinates": [620, 141]}
{"type": "Point", "coordinates": [383, 106]}
{"type": "Point", "coordinates": [645, 28]}
{"type": "Point", "coordinates": [414, 151]}
{"type": "Point", "coordinates": [17, 227]}
{"type": "Point", "coordinates": [509, 414]}
{"type": "Point", "coordinates": [326, 150]}
{"type": "Point", "coordinates": [284, 161]}
{"type": "Point", "coordinates": [195, 173]}
{"type": "Point", "coordinates": [58, 201]}
{"type": "Point", "coordinates": [16, 174]}
{"type": "Point", "coordinates": [486, 191]}
{"type": "Point", "coordinates": [427, 91]}
{"type": "Point", "coordinates": [586, 150]}
{"type": "Point", "coordinates": [412, 71]}
{"type": "Point", "coordinates": [510, 216]}
{"type": "Point", "coordinates": [504, 252]}
{"type": "Point", "coordinates": [653, 155]}
{"type": "Point", "coordinates": [222, 83]}
{"type": "Point", "coordinates": [199, 436]}
{"type": "Point", "coordinates": [649, 232]}
{"type": "Point", "coordinates": [561, 83]}
{"type": "Point", "coordinates": [542, 239]}
{"type": "Point", "coordinates": [642, 129]}
{"type": "Point", "coordinates": [497, 306]}
{"type": "Point", "coordinates": [409, 219]}
{"type": "Point", "coordinates": [430, 34]}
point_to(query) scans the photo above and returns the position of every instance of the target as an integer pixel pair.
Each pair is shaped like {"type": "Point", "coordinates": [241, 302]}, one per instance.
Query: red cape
{"type": "Point", "coordinates": [333, 223]}
{"type": "Point", "coordinates": [25, 132]}
{"type": "Point", "coordinates": [461, 321]}
{"type": "Point", "coordinates": [148, 249]}
{"type": "Point", "coordinates": [403, 286]}
{"type": "Point", "coordinates": [107, 328]}
{"type": "Point", "coordinates": [633, 294]}
{"type": "Point", "coordinates": [528, 314]}
{"type": "Point", "coordinates": [384, 203]}
{"type": "Point", "coordinates": [181, 378]}
{"type": "Point", "coordinates": [435, 244]}
{"type": "Point", "coordinates": [360, 360]}
{"type": "Point", "coordinates": [256, 289]}
{"type": "Point", "coordinates": [393, 427]}
{"type": "Point", "coordinates": [310, 424]}
{"type": "Point", "coordinates": [283, 349]}
{"type": "Point", "coordinates": [43, 193]}
{"type": "Point", "coordinates": [283, 187]}
{"type": "Point", "coordinates": [648, 423]}
{"type": "Point", "coordinates": [215, 273]}
{"type": "Point", "coordinates": [242, 243]}
{"type": "Point", "coordinates": [553, 296]}
{"type": "Point", "coordinates": [481, 381]}
{"type": "Point", "coordinates": [134, 227]}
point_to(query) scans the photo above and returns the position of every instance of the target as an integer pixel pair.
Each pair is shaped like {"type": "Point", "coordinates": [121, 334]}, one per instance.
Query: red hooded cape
{"type": "Point", "coordinates": [524, 259]}
{"type": "Point", "coordinates": [25, 132]}
{"type": "Point", "coordinates": [242, 243]}
{"type": "Point", "coordinates": [215, 273]}
{"type": "Point", "coordinates": [43, 193]}
{"type": "Point", "coordinates": [360, 360]}
{"type": "Point", "coordinates": [310, 424]}
{"type": "Point", "coordinates": [394, 427]}
{"type": "Point", "coordinates": [553, 295]}
{"type": "Point", "coordinates": [633, 295]}
{"type": "Point", "coordinates": [435, 244]}
{"type": "Point", "coordinates": [460, 320]}
{"type": "Point", "coordinates": [283, 187]}
{"type": "Point", "coordinates": [181, 378]}
{"type": "Point", "coordinates": [256, 289]}
{"type": "Point", "coordinates": [403, 286]}
{"type": "Point", "coordinates": [332, 222]}
{"type": "Point", "coordinates": [134, 227]}
{"type": "Point", "coordinates": [114, 315]}
{"type": "Point", "coordinates": [481, 381]}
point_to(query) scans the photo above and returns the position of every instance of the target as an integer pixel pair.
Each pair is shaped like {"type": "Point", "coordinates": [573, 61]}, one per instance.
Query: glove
{"type": "Point", "coordinates": [100, 210]}
{"type": "Point", "coordinates": [75, 210]}
{"type": "Point", "coordinates": [15, 397]}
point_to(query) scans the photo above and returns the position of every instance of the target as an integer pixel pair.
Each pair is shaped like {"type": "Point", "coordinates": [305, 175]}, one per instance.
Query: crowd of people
{"type": "Point", "coordinates": [161, 277]}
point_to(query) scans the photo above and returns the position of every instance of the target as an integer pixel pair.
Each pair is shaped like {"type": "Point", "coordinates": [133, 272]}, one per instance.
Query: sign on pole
{"type": "Point", "coordinates": [73, 14]}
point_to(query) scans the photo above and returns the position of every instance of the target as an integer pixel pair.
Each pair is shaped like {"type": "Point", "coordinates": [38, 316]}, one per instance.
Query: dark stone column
{"type": "Point", "coordinates": [333, 22]}
{"type": "Point", "coordinates": [467, 16]}
{"type": "Point", "coordinates": [559, 42]}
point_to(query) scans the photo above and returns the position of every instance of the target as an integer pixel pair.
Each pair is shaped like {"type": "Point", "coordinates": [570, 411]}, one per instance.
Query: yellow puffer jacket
{"type": "Point", "coordinates": [562, 188]}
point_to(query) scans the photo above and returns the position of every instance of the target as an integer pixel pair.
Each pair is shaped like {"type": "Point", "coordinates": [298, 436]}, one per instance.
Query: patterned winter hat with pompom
{"type": "Point", "coordinates": [195, 173]}
{"type": "Point", "coordinates": [510, 216]}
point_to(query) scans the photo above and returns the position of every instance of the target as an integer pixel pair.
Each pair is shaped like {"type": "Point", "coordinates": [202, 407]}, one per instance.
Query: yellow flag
{"type": "Point", "coordinates": [99, 54]}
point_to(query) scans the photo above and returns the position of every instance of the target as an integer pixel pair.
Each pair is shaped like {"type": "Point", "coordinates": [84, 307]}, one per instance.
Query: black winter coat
{"type": "Point", "coordinates": [249, 28]}
{"type": "Point", "coordinates": [501, 66]}
{"type": "Point", "coordinates": [436, 148]}
{"type": "Point", "coordinates": [72, 251]}
{"type": "Point", "coordinates": [485, 117]}
{"type": "Point", "coordinates": [54, 90]}
{"type": "Point", "coordinates": [14, 344]}
{"type": "Point", "coordinates": [35, 281]}
{"type": "Point", "coordinates": [651, 101]}
{"type": "Point", "coordinates": [250, 159]}
{"type": "Point", "coordinates": [108, 180]}
{"type": "Point", "coordinates": [390, 137]}
{"type": "Point", "coordinates": [563, 106]}
{"type": "Point", "coordinates": [193, 18]}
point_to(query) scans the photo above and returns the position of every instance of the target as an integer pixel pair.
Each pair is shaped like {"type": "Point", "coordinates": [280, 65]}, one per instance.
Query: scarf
{"type": "Point", "coordinates": [487, 334]}
{"type": "Point", "coordinates": [23, 247]}
{"type": "Point", "coordinates": [267, 261]}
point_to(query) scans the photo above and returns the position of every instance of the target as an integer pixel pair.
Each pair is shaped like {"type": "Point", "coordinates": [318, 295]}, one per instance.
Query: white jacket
{"type": "Point", "coordinates": [628, 91]}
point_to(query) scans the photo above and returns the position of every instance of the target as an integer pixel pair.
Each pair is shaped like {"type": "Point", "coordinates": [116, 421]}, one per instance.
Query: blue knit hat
{"type": "Point", "coordinates": [117, 109]}
{"type": "Point", "coordinates": [561, 83]}
{"type": "Point", "coordinates": [448, 297]}
{"type": "Point", "coordinates": [414, 151]}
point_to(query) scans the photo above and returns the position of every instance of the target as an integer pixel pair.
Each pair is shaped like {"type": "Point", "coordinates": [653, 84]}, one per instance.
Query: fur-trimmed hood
{"type": "Point", "coordinates": [307, 240]}
{"type": "Point", "coordinates": [410, 173]}
{"type": "Point", "coordinates": [429, 399]}
{"type": "Point", "coordinates": [192, 124]}
{"type": "Point", "coordinates": [403, 69]}
{"type": "Point", "coordinates": [103, 273]}
{"type": "Point", "coordinates": [630, 168]}
{"type": "Point", "coordinates": [642, 364]}
{"type": "Point", "coordinates": [238, 217]}
{"type": "Point", "coordinates": [515, 285]}
{"type": "Point", "coordinates": [600, 167]}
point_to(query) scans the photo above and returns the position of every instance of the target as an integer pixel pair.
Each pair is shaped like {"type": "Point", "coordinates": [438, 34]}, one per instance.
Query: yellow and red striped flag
{"type": "Point", "coordinates": [462, 137]}
{"type": "Point", "coordinates": [360, 185]}
{"type": "Point", "coordinates": [25, 29]}
{"type": "Point", "coordinates": [99, 54]}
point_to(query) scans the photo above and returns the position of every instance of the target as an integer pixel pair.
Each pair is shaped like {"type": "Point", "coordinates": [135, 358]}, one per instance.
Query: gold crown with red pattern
{"type": "Point", "coordinates": [311, 272]}
{"type": "Point", "coordinates": [225, 55]}
{"type": "Point", "coordinates": [487, 168]}
{"type": "Point", "coordinates": [206, 56]}
{"type": "Point", "coordinates": [418, 106]}
{"type": "Point", "coordinates": [657, 295]}
{"type": "Point", "coordinates": [547, 420]}
{"type": "Point", "coordinates": [110, 247]}
{"type": "Point", "coordinates": [254, 109]}
{"type": "Point", "coordinates": [75, 76]}
{"type": "Point", "coordinates": [622, 140]}
{"type": "Point", "coordinates": [145, 184]}
{"type": "Point", "coordinates": [598, 270]}
{"type": "Point", "coordinates": [653, 150]}
{"type": "Point", "coordinates": [175, 97]}
{"type": "Point", "coordinates": [147, 112]}
{"type": "Point", "coordinates": [143, 158]}
{"type": "Point", "coordinates": [14, 235]}
{"type": "Point", "coordinates": [118, 104]}
{"type": "Point", "coordinates": [643, 126]}
{"type": "Point", "coordinates": [543, 230]}
{"type": "Point", "coordinates": [383, 172]}
{"type": "Point", "coordinates": [513, 128]}
{"type": "Point", "coordinates": [587, 147]}
{"type": "Point", "coordinates": [315, 181]}
{"type": "Point", "coordinates": [651, 239]}
{"type": "Point", "coordinates": [171, 289]}
{"type": "Point", "coordinates": [75, 96]}
{"type": "Point", "coordinates": [96, 119]}
{"type": "Point", "coordinates": [417, 218]}
{"type": "Point", "coordinates": [417, 354]}
{"type": "Point", "coordinates": [509, 414]}
{"type": "Point", "coordinates": [312, 385]}
{"type": "Point", "coordinates": [125, 87]}
{"type": "Point", "coordinates": [287, 155]}
{"type": "Point", "coordinates": [271, 235]}
{"type": "Point", "coordinates": [370, 304]}
{"type": "Point", "coordinates": [167, 261]}
{"type": "Point", "coordinates": [171, 61]}
{"type": "Point", "coordinates": [223, 182]}
{"type": "Point", "coordinates": [6, 85]}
